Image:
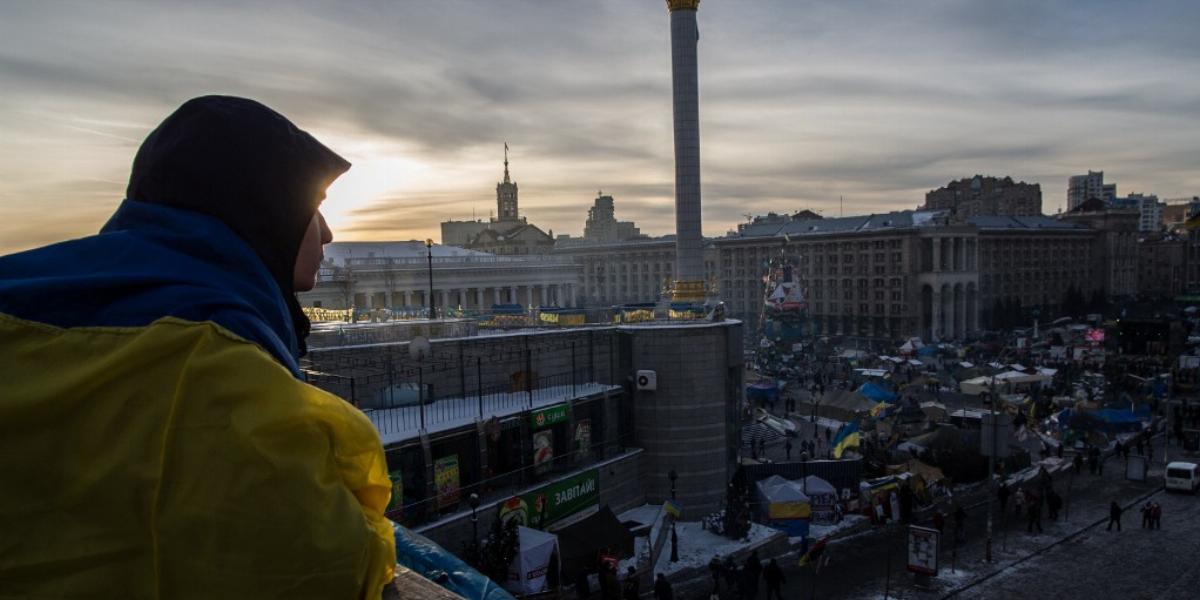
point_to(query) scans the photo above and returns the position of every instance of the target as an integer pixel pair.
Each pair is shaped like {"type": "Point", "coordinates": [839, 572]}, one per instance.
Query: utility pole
{"type": "Point", "coordinates": [991, 473]}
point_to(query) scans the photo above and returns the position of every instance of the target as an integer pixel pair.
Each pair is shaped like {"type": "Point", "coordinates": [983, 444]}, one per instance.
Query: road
{"type": "Point", "coordinates": [859, 566]}
{"type": "Point", "coordinates": [1135, 563]}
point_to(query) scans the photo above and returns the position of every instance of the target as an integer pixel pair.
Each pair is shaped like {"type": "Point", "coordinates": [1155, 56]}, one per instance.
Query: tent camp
{"type": "Point", "coordinates": [784, 506]}
{"type": "Point", "coordinates": [1004, 381]}
{"type": "Point", "coordinates": [534, 560]}
{"type": "Point", "coordinates": [580, 542]}
{"type": "Point", "coordinates": [844, 405]}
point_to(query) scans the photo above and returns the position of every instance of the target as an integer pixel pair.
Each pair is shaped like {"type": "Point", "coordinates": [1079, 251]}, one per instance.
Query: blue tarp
{"type": "Point", "coordinates": [433, 562]}
{"type": "Point", "coordinates": [508, 309]}
{"type": "Point", "coordinates": [876, 392]}
{"type": "Point", "coordinates": [927, 351]}
{"type": "Point", "coordinates": [763, 390]}
{"type": "Point", "coordinates": [1108, 419]}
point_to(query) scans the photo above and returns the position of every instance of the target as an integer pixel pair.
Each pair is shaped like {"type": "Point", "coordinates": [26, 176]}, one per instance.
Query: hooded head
{"type": "Point", "coordinates": [248, 166]}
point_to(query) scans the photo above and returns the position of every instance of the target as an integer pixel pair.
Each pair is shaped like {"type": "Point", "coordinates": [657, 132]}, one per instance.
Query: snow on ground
{"type": "Point", "coordinates": [696, 545]}
{"type": "Point", "coordinates": [816, 532]}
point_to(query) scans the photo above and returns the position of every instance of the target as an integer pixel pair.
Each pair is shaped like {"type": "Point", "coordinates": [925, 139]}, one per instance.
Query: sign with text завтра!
{"type": "Point", "coordinates": [555, 502]}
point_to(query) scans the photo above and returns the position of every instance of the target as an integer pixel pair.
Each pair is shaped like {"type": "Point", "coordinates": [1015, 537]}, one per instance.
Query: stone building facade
{"type": "Point", "coordinates": [1115, 251]}
{"type": "Point", "coordinates": [913, 273]}
{"type": "Point", "coordinates": [396, 275]}
{"type": "Point", "coordinates": [1162, 265]}
{"type": "Point", "coordinates": [631, 271]}
{"type": "Point", "coordinates": [1032, 262]}
{"type": "Point", "coordinates": [981, 195]}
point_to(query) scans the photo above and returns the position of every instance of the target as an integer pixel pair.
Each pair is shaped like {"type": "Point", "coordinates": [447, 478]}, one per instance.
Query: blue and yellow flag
{"type": "Point", "coordinates": [673, 509]}
{"type": "Point", "coordinates": [881, 410]}
{"type": "Point", "coordinates": [847, 437]}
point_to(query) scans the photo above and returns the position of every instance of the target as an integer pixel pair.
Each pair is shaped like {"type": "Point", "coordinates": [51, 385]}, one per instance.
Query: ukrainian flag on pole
{"type": "Point", "coordinates": [847, 437]}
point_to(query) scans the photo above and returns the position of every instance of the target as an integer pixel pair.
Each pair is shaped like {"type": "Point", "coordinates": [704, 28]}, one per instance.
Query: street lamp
{"type": "Point", "coordinates": [429, 256]}
{"type": "Point", "coordinates": [672, 475]}
{"type": "Point", "coordinates": [474, 501]}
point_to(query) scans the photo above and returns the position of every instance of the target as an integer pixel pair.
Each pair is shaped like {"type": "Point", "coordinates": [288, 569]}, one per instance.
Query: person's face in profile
{"type": "Point", "coordinates": [308, 259]}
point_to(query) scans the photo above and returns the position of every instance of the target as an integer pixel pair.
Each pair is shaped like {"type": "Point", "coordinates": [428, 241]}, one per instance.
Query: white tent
{"type": "Point", "coordinates": [527, 573]}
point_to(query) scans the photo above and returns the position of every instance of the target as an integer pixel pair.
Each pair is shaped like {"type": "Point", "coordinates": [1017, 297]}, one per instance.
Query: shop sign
{"type": "Point", "coordinates": [395, 507]}
{"type": "Point", "coordinates": [445, 478]}
{"type": "Point", "coordinates": [549, 415]}
{"type": "Point", "coordinates": [554, 502]}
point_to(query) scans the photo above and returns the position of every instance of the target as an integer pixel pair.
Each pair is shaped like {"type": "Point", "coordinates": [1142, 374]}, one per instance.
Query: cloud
{"type": "Point", "coordinates": [801, 102]}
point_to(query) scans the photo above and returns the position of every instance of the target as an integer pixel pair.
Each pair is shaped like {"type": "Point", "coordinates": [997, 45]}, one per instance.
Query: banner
{"type": "Point", "coordinates": [583, 439]}
{"type": "Point", "coordinates": [445, 478]}
{"type": "Point", "coordinates": [923, 550]}
{"type": "Point", "coordinates": [544, 507]}
{"type": "Point", "coordinates": [395, 507]}
{"type": "Point", "coordinates": [549, 415]}
{"type": "Point", "coordinates": [543, 450]}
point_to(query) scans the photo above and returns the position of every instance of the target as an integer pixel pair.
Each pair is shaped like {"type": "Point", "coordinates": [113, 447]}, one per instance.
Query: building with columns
{"type": "Point", "coordinates": [911, 273]}
{"type": "Point", "coordinates": [626, 272]}
{"type": "Point", "coordinates": [395, 275]}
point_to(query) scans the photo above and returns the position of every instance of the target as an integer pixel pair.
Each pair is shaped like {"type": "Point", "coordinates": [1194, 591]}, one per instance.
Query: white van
{"type": "Point", "coordinates": [1183, 476]}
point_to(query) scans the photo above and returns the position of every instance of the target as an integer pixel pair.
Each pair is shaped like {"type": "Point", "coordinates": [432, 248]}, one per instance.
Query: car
{"type": "Point", "coordinates": [1183, 477]}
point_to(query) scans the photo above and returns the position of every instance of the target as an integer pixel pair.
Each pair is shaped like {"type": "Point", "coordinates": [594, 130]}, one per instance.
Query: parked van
{"type": "Point", "coordinates": [1183, 476]}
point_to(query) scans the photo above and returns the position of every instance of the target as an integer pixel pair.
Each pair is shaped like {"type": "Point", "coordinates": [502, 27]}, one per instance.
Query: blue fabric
{"type": "Point", "coordinates": [151, 261]}
{"type": "Point", "coordinates": [433, 562]}
{"type": "Point", "coordinates": [876, 392]}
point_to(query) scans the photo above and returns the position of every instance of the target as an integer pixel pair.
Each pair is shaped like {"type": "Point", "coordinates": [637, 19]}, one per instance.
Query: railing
{"type": "Point", "coordinates": [455, 411]}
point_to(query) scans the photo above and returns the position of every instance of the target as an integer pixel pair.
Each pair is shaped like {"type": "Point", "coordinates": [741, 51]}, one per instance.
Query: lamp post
{"type": "Point", "coordinates": [429, 256]}
{"type": "Point", "coordinates": [474, 500]}
{"type": "Point", "coordinates": [672, 475]}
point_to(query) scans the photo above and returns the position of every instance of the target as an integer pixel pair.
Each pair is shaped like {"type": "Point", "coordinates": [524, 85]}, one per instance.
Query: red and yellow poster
{"type": "Point", "coordinates": [445, 478]}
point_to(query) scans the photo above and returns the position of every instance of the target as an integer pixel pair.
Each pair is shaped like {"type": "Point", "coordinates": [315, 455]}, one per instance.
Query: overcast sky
{"type": "Point", "coordinates": [800, 102]}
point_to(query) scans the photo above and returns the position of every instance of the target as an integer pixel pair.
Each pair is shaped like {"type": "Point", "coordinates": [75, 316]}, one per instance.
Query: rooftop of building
{"type": "Point", "coordinates": [985, 222]}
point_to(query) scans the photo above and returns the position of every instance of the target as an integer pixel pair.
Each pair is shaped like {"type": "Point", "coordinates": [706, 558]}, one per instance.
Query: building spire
{"type": "Point", "coordinates": [506, 179]}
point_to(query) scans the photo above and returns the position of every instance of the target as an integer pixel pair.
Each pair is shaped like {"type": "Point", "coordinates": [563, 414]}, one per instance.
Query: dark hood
{"type": "Point", "coordinates": [246, 165]}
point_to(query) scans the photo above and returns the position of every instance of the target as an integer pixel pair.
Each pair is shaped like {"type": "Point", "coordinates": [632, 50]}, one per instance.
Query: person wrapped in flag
{"type": "Point", "coordinates": [847, 437]}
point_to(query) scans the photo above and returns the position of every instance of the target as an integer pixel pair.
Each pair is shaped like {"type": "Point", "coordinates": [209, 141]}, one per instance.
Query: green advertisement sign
{"type": "Point", "coordinates": [549, 415]}
{"type": "Point", "coordinates": [544, 507]}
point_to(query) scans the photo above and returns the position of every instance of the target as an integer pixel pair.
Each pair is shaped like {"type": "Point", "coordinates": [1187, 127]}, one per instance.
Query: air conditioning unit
{"type": "Point", "coordinates": [647, 380]}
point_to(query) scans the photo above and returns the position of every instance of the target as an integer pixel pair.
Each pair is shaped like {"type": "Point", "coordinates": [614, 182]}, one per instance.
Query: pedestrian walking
{"type": "Point", "coordinates": [1034, 515]}
{"type": "Point", "coordinates": [1002, 496]}
{"type": "Point", "coordinates": [1156, 516]}
{"type": "Point", "coordinates": [630, 588]}
{"type": "Point", "coordinates": [787, 447]}
{"type": "Point", "coordinates": [960, 524]}
{"type": "Point", "coordinates": [714, 569]}
{"type": "Point", "coordinates": [1054, 503]}
{"type": "Point", "coordinates": [1020, 498]}
{"type": "Point", "coordinates": [662, 589]}
{"type": "Point", "coordinates": [752, 572]}
{"type": "Point", "coordinates": [1078, 462]}
{"type": "Point", "coordinates": [1147, 511]}
{"type": "Point", "coordinates": [1114, 516]}
{"type": "Point", "coordinates": [729, 571]}
{"type": "Point", "coordinates": [773, 576]}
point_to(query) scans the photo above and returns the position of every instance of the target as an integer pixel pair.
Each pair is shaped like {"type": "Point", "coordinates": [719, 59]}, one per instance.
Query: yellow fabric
{"type": "Point", "coordinates": [789, 510]}
{"type": "Point", "coordinates": [177, 460]}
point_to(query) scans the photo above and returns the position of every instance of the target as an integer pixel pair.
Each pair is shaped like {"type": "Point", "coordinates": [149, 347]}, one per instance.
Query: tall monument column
{"type": "Point", "coordinates": [689, 240]}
